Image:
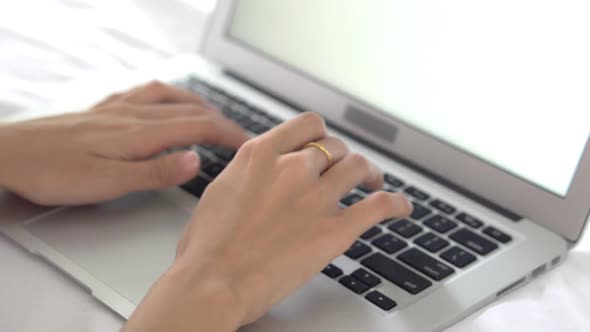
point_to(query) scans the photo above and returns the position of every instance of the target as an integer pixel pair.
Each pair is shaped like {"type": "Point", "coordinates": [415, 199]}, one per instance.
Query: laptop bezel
{"type": "Point", "coordinates": [565, 215]}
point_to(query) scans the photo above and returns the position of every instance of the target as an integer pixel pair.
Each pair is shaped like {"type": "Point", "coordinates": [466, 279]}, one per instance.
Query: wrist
{"type": "Point", "coordinates": [4, 156]}
{"type": "Point", "coordinates": [187, 298]}
{"type": "Point", "coordinates": [211, 288]}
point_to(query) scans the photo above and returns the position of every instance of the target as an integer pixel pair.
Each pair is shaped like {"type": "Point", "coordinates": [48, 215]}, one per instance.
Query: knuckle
{"type": "Point", "coordinates": [382, 200]}
{"type": "Point", "coordinates": [360, 162]}
{"type": "Point", "coordinates": [247, 148]}
{"type": "Point", "coordinates": [205, 126]}
{"type": "Point", "coordinates": [207, 123]}
{"type": "Point", "coordinates": [252, 145]}
{"type": "Point", "coordinates": [403, 205]}
{"type": "Point", "coordinates": [252, 148]}
{"type": "Point", "coordinates": [314, 121]}
{"type": "Point", "coordinates": [343, 240]}
{"type": "Point", "coordinates": [122, 109]}
{"type": "Point", "coordinates": [297, 167]}
{"type": "Point", "coordinates": [159, 174]}
{"type": "Point", "coordinates": [114, 96]}
{"type": "Point", "coordinates": [132, 126]}
{"type": "Point", "coordinates": [302, 161]}
{"type": "Point", "coordinates": [155, 85]}
{"type": "Point", "coordinates": [109, 108]}
{"type": "Point", "coordinates": [136, 146]}
{"type": "Point", "coordinates": [198, 109]}
{"type": "Point", "coordinates": [296, 162]}
{"type": "Point", "coordinates": [343, 146]}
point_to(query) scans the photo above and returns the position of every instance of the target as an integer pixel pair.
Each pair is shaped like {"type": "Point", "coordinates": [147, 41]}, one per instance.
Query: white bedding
{"type": "Point", "coordinates": [46, 44]}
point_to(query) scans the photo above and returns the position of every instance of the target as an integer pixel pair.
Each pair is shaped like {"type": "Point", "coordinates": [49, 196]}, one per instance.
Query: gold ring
{"type": "Point", "coordinates": [321, 148]}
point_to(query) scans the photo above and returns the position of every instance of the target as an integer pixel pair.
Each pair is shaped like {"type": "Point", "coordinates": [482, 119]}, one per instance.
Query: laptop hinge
{"type": "Point", "coordinates": [433, 176]}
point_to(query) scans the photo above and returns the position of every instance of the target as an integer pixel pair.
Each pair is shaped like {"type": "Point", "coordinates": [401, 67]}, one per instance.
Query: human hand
{"type": "Point", "coordinates": [110, 151]}
{"type": "Point", "coordinates": [266, 225]}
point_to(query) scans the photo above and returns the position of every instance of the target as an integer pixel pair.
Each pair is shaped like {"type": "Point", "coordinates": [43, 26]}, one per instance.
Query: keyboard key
{"type": "Point", "coordinates": [246, 122]}
{"type": "Point", "coordinates": [353, 284]}
{"type": "Point", "coordinates": [238, 107]}
{"type": "Point", "coordinates": [256, 111]}
{"type": "Point", "coordinates": [198, 87]}
{"type": "Point", "coordinates": [469, 220]}
{"type": "Point", "coordinates": [393, 181]}
{"type": "Point", "coordinates": [419, 211]}
{"type": "Point", "coordinates": [214, 170]}
{"type": "Point", "coordinates": [458, 257]}
{"type": "Point", "coordinates": [371, 232]}
{"type": "Point", "coordinates": [474, 241]}
{"type": "Point", "coordinates": [440, 223]}
{"type": "Point", "coordinates": [387, 221]}
{"type": "Point", "coordinates": [366, 278]}
{"type": "Point", "coordinates": [206, 160]}
{"type": "Point", "coordinates": [218, 99]}
{"type": "Point", "coordinates": [230, 113]}
{"type": "Point", "coordinates": [258, 128]}
{"type": "Point", "coordinates": [357, 250]}
{"type": "Point", "coordinates": [442, 206]}
{"type": "Point", "coordinates": [352, 199]}
{"type": "Point", "coordinates": [272, 119]}
{"type": "Point", "coordinates": [405, 228]}
{"type": "Point", "coordinates": [389, 243]}
{"type": "Point", "coordinates": [497, 234]}
{"type": "Point", "coordinates": [209, 86]}
{"type": "Point", "coordinates": [332, 271]}
{"type": "Point", "coordinates": [426, 264]}
{"type": "Point", "coordinates": [380, 300]}
{"type": "Point", "coordinates": [431, 242]}
{"type": "Point", "coordinates": [224, 154]}
{"type": "Point", "coordinates": [396, 273]}
{"type": "Point", "coordinates": [417, 193]}
{"type": "Point", "coordinates": [196, 186]}
{"type": "Point", "coordinates": [365, 190]}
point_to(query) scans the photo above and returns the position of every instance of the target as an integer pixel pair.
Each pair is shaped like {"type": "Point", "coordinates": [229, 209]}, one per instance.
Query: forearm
{"type": "Point", "coordinates": [4, 155]}
{"type": "Point", "coordinates": [182, 300]}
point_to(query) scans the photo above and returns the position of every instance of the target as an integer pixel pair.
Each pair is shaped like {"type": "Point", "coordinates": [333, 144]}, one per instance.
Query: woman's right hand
{"type": "Point", "coordinates": [264, 227]}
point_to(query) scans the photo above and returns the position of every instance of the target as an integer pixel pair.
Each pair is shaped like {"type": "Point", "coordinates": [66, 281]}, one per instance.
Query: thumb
{"type": "Point", "coordinates": [167, 171]}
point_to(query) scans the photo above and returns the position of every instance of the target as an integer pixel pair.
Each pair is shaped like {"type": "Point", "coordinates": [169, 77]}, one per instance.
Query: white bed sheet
{"type": "Point", "coordinates": [46, 44]}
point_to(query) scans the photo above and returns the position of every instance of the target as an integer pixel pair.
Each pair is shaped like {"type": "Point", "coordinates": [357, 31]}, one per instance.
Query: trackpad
{"type": "Point", "coordinates": [126, 244]}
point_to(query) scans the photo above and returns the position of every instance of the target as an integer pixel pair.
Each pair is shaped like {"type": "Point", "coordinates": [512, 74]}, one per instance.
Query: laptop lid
{"type": "Point", "coordinates": [491, 96]}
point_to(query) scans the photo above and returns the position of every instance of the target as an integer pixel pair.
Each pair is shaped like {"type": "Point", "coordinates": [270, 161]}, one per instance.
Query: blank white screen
{"type": "Point", "coordinates": [506, 80]}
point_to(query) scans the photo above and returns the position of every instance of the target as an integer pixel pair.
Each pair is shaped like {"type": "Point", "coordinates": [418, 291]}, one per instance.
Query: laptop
{"type": "Point", "coordinates": [486, 134]}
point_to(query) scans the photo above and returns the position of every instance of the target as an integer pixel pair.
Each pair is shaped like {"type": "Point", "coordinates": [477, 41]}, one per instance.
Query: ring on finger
{"type": "Point", "coordinates": [322, 149]}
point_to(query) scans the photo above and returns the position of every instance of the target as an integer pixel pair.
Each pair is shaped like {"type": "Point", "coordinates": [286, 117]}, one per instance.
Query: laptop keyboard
{"type": "Point", "coordinates": [414, 253]}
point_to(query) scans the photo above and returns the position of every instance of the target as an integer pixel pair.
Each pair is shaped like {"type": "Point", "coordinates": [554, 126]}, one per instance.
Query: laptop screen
{"type": "Point", "coordinates": [507, 81]}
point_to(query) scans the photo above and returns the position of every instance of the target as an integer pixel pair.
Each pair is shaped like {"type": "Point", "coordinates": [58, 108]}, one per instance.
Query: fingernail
{"type": "Point", "coordinates": [409, 207]}
{"type": "Point", "coordinates": [189, 162]}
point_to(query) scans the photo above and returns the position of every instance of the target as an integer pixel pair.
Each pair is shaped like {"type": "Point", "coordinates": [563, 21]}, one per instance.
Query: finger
{"type": "Point", "coordinates": [157, 92]}
{"type": "Point", "coordinates": [157, 136]}
{"type": "Point", "coordinates": [350, 172]}
{"type": "Point", "coordinates": [164, 111]}
{"type": "Point", "coordinates": [294, 134]}
{"type": "Point", "coordinates": [110, 99]}
{"type": "Point", "coordinates": [372, 210]}
{"type": "Point", "coordinates": [163, 172]}
{"type": "Point", "coordinates": [318, 159]}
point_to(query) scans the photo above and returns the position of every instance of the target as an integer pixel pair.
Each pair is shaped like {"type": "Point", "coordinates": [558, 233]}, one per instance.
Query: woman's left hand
{"type": "Point", "coordinates": [112, 150]}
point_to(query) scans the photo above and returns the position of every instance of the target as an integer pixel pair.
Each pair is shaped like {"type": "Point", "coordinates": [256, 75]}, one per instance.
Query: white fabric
{"type": "Point", "coordinates": [46, 44]}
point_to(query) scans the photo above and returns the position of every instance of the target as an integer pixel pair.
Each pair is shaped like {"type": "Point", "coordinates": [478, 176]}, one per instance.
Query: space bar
{"type": "Point", "coordinates": [396, 273]}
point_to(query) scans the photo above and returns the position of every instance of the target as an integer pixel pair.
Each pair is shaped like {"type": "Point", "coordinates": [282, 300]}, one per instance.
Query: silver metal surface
{"type": "Point", "coordinates": [565, 216]}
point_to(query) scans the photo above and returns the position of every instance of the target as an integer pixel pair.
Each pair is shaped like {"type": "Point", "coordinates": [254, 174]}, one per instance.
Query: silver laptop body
{"type": "Point", "coordinates": [262, 52]}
